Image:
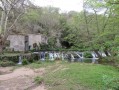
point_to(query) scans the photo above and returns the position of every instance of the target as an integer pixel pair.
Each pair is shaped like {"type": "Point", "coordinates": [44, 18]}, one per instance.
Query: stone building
{"type": "Point", "coordinates": [25, 42]}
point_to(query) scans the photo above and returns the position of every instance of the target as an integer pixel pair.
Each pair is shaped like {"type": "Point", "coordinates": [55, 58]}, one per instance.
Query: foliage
{"type": "Point", "coordinates": [6, 63]}
{"type": "Point", "coordinates": [9, 57]}
{"type": "Point", "coordinates": [88, 55]}
{"type": "Point", "coordinates": [94, 28]}
{"type": "Point", "coordinates": [31, 15]}
{"type": "Point", "coordinates": [11, 11]}
{"type": "Point", "coordinates": [35, 57]}
{"type": "Point", "coordinates": [25, 62]}
{"type": "Point", "coordinates": [51, 42]}
{"type": "Point", "coordinates": [44, 46]}
{"type": "Point", "coordinates": [30, 59]}
{"type": "Point", "coordinates": [38, 79]}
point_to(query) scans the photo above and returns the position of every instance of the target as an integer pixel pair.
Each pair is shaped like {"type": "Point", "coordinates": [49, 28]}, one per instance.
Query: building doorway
{"type": "Point", "coordinates": [26, 43]}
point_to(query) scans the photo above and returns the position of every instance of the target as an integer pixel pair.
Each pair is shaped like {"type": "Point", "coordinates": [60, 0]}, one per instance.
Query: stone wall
{"type": "Point", "coordinates": [16, 42]}
{"type": "Point", "coordinates": [33, 38]}
{"type": "Point", "coordinates": [44, 39]}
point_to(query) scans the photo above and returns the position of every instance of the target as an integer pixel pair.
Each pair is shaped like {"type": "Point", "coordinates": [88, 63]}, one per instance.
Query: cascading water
{"type": "Point", "coordinates": [62, 56]}
{"type": "Point", "coordinates": [94, 59]}
{"type": "Point", "coordinates": [42, 56]}
{"type": "Point", "coordinates": [20, 60]}
{"type": "Point", "coordinates": [51, 56]}
{"type": "Point", "coordinates": [80, 55]}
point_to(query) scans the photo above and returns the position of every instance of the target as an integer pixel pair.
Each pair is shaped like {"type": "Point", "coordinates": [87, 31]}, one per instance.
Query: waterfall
{"type": "Point", "coordinates": [94, 57]}
{"type": "Point", "coordinates": [51, 56]}
{"type": "Point", "coordinates": [20, 60]}
{"type": "Point", "coordinates": [42, 56]}
{"type": "Point", "coordinates": [80, 55]}
{"type": "Point", "coordinates": [62, 56]}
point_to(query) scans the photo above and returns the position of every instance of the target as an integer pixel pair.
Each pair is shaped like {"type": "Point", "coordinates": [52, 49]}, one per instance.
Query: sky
{"type": "Point", "coordinates": [64, 5]}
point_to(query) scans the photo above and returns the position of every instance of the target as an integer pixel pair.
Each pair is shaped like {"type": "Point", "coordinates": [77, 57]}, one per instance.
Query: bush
{"type": "Point", "coordinates": [44, 46]}
{"type": "Point", "coordinates": [15, 59]}
{"type": "Point", "coordinates": [35, 57]}
{"type": "Point", "coordinates": [110, 60]}
{"type": "Point", "coordinates": [25, 62]}
{"type": "Point", "coordinates": [10, 58]}
{"type": "Point", "coordinates": [30, 59]}
{"type": "Point", "coordinates": [38, 79]}
{"type": "Point", "coordinates": [6, 63]}
{"type": "Point", "coordinates": [88, 55]}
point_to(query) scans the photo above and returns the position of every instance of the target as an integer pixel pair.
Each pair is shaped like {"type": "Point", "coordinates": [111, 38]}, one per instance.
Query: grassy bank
{"type": "Point", "coordinates": [81, 76]}
{"type": "Point", "coordinates": [77, 76]}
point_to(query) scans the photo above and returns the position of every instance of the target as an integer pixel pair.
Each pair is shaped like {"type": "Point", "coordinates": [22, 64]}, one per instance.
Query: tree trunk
{"type": "Point", "coordinates": [1, 45]}
{"type": "Point", "coordinates": [97, 23]}
{"type": "Point", "coordinates": [1, 50]}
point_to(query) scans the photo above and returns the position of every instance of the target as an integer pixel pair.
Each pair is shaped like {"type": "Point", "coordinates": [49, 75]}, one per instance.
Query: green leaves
{"type": "Point", "coordinates": [31, 16]}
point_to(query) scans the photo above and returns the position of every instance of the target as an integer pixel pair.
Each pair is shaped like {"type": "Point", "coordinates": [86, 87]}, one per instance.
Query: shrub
{"type": "Point", "coordinates": [25, 62]}
{"type": "Point", "coordinates": [10, 58]}
{"type": "Point", "coordinates": [44, 46]}
{"type": "Point", "coordinates": [113, 60]}
{"type": "Point", "coordinates": [6, 63]}
{"type": "Point", "coordinates": [38, 79]}
{"type": "Point", "coordinates": [88, 55]}
{"type": "Point", "coordinates": [31, 59]}
{"type": "Point", "coordinates": [35, 56]}
{"type": "Point", "coordinates": [15, 59]}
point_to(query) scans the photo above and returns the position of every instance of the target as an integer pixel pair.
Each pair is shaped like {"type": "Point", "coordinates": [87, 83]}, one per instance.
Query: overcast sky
{"type": "Point", "coordinates": [64, 5]}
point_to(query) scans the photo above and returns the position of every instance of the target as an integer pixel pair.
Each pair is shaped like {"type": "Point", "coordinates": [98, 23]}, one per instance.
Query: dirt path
{"type": "Point", "coordinates": [41, 87]}
{"type": "Point", "coordinates": [5, 70]}
{"type": "Point", "coordinates": [21, 79]}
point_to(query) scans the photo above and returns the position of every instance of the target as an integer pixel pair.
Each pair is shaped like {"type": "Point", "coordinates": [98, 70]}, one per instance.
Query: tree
{"type": "Point", "coordinates": [44, 20]}
{"type": "Point", "coordinates": [11, 11]}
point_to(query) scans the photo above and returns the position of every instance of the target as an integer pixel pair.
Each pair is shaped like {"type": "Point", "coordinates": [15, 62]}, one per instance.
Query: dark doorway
{"type": "Point", "coordinates": [26, 43]}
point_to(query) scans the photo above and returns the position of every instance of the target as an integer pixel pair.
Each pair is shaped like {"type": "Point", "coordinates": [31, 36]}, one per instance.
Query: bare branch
{"type": "Point", "coordinates": [15, 21]}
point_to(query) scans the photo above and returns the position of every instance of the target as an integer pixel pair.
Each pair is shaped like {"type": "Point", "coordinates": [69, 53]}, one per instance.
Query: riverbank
{"type": "Point", "coordinates": [61, 76]}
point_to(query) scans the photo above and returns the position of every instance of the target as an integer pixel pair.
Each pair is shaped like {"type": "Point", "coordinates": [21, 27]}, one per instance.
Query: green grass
{"type": "Point", "coordinates": [34, 65]}
{"type": "Point", "coordinates": [38, 79]}
{"type": "Point", "coordinates": [80, 76]}
{"type": "Point", "coordinates": [39, 64]}
{"type": "Point", "coordinates": [77, 76]}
